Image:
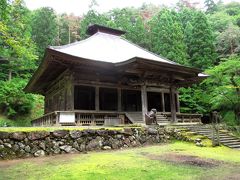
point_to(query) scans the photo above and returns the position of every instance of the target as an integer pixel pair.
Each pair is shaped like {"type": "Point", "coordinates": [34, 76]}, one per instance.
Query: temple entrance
{"type": "Point", "coordinates": [84, 98]}
{"type": "Point", "coordinates": [154, 101]}
{"type": "Point", "coordinates": [108, 99]}
{"type": "Point", "coordinates": [131, 100]}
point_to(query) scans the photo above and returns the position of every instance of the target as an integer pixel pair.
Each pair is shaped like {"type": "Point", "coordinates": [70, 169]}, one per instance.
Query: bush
{"type": "Point", "coordinates": [13, 100]}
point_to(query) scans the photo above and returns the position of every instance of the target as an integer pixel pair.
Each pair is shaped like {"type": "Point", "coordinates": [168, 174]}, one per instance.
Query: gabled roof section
{"type": "Point", "coordinates": [92, 29]}
{"type": "Point", "coordinates": [107, 47]}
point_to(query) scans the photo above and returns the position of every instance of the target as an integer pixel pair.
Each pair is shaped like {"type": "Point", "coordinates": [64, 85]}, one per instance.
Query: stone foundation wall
{"type": "Point", "coordinates": [41, 143]}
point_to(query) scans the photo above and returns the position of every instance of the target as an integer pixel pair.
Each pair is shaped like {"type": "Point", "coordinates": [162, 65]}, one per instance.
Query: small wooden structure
{"type": "Point", "coordinates": [107, 80]}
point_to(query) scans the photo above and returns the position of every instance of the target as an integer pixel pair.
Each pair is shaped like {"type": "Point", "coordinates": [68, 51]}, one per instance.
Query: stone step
{"type": "Point", "coordinates": [231, 143]}
{"type": "Point", "coordinates": [228, 138]}
{"type": "Point", "coordinates": [234, 146]}
{"type": "Point", "coordinates": [231, 140]}
{"type": "Point", "coordinates": [225, 139]}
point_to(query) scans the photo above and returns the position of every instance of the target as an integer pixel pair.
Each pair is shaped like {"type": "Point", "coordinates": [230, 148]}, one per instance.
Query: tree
{"type": "Point", "coordinates": [13, 101]}
{"type": "Point", "coordinates": [186, 16]}
{"type": "Point", "coordinates": [68, 29]}
{"type": "Point", "coordinates": [16, 43]}
{"type": "Point", "coordinates": [210, 5]}
{"type": "Point", "coordinates": [224, 86]}
{"type": "Point", "coordinates": [44, 29]}
{"type": "Point", "coordinates": [219, 21]}
{"type": "Point", "coordinates": [191, 100]}
{"type": "Point", "coordinates": [228, 42]}
{"type": "Point", "coordinates": [166, 35]}
{"type": "Point", "coordinates": [201, 49]}
{"type": "Point", "coordinates": [129, 20]}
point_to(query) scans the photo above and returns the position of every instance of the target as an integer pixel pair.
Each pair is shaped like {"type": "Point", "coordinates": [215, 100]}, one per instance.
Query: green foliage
{"type": "Point", "coordinates": [210, 5]}
{"type": "Point", "coordinates": [13, 101]}
{"type": "Point", "coordinates": [228, 117]}
{"type": "Point", "coordinates": [191, 100]}
{"type": "Point", "coordinates": [68, 27]}
{"type": "Point", "coordinates": [129, 20]}
{"type": "Point", "coordinates": [232, 8]}
{"type": "Point", "coordinates": [16, 43]}
{"type": "Point", "coordinates": [223, 86]}
{"type": "Point", "coordinates": [228, 42]}
{"type": "Point", "coordinates": [219, 21]}
{"type": "Point", "coordinates": [201, 49]}
{"type": "Point", "coordinates": [166, 35]}
{"type": "Point", "coordinates": [44, 28]}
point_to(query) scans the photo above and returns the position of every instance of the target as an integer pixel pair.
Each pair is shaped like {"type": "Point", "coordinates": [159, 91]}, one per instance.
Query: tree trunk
{"type": "Point", "coordinates": [9, 75]}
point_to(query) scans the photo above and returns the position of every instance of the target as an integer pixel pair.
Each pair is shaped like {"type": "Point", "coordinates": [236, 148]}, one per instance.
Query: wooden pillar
{"type": "Point", "coordinates": [144, 101]}
{"type": "Point", "coordinates": [119, 99]}
{"type": "Point", "coordinates": [173, 104]}
{"type": "Point", "coordinates": [178, 102]}
{"type": "Point", "coordinates": [163, 102]}
{"type": "Point", "coordinates": [69, 90]}
{"type": "Point", "coordinates": [97, 98]}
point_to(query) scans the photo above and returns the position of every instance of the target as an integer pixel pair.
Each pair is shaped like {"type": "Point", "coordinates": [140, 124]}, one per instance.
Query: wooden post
{"type": "Point", "coordinates": [97, 98]}
{"type": "Point", "coordinates": [144, 101]}
{"type": "Point", "coordinates": [173, 104]}
{"type": "Point", "coordinates": [163, 102]}
{"type": "Point", "coordinates": [69, 89]}
{"type": "Point", "coordinates": [119, 100]}
{"type": "Point", "coordinates": [178, 102]}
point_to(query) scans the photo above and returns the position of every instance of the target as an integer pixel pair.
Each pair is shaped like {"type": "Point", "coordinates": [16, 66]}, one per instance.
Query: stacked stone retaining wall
{"type": "Point", "coordinates": [42, 143]}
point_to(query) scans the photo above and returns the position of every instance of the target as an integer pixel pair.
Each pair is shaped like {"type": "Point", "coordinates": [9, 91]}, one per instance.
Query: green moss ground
{"type": "Point", "coordinates": [126, 164]}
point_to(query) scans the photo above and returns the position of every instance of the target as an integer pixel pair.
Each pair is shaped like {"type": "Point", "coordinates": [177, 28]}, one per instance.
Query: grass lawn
{"type": "Point", "coordinates": [178, 160]}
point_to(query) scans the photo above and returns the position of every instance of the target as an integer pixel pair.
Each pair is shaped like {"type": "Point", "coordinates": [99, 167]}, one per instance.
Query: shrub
{"type": "Point", "coordinates": [13, 100]}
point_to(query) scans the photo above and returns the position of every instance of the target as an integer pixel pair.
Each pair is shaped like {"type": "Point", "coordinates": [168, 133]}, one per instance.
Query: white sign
{"type": "Point", "coordinates": [67, 117]}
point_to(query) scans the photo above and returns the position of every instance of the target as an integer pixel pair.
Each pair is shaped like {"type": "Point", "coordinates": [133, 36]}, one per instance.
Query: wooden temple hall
{"type": "Point", "coordinates": [107, 80]}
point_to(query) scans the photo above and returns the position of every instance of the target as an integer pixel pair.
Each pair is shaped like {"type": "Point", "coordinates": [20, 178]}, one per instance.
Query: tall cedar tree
{"type": "Point", "coordinates": [167, 37]}
{"type": "Point", "coordinates": [44, 29]}
{"type": "Point", "coordinates": [201, 48]}
{"type": "Point", "coordinates": [129, 20]}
